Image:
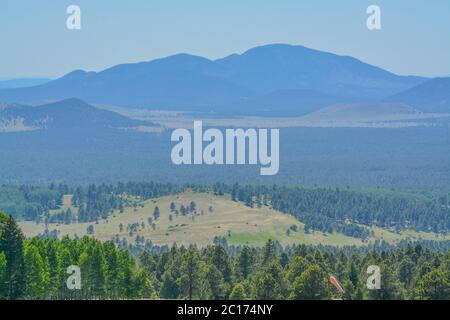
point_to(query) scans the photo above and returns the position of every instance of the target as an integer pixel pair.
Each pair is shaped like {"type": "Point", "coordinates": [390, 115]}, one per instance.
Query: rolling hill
{"type": "Point", "coordinates": [186, 82]}
{"type": "Point", "coordinates": [66, 114]}
{"type": "Point", "coordinates": [430, 96]}
{"type": "Point", "coordinates": [216, 216]}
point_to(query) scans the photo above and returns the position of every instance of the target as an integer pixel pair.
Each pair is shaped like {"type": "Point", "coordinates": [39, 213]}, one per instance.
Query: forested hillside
{"type": "Point", "coordinates": [329, 209]}
{"type": "Point", "coordinates": [36, 269]}
{"type": "Point", "coordinates": [347, 211]}
{"type": "Point", "coordinates": [94, 202]}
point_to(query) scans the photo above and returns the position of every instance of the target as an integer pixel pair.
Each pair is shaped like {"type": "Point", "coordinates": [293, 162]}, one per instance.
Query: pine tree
{"type": "Point", "coordinates": [216, 283]}
{"type": "Point", "coordinates": [156, 213]}
{"type": "Point", "coordinates": [269, 283]}
{"type": "Point", "coordinates": [238, 292]}
{"type": "Point", "coordinates": [245, 262]}
{"type": "Point", "coordinates": [435, 285]}
{"type": "Point", "coordinates": [112, 270]}
{"type": "Point", "coordinates": [3, 286]}
{"type": "Point", "coordinates": [52, 265]}
{"type": "Point", "coordinates": [169, 287]}
{"type": "Point", "coordinates": [98, 264]}
{"type": "Point", "coordinates": [36, 277]}
{"type": "Point", "coordinates": [349, 289]}
{"type": "Point", "coordinates": [189, 282]}
{"type": "Point", "coordinates": [11, 244]}
{"type": "Point", "coordinates": [295, 268]}
{"type": "Point", "coordinates": [221, 261]}
{"type": "Point", "coordinates": [310, 285]}
{"type": "Point", "coordinates": [269, 252]}
{"type": "Point", "coordinates": [352, 273]}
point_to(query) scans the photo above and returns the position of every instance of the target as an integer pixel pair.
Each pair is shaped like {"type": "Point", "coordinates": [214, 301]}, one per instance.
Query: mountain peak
{"type": "Point", "coordinates": [70, 102]}
{"type": "Point", "coordinates": [75, 73]}
{"type": "Point", "coordinates": [281, 48]}
{"type": "Point", "coordinates": [188, 82]}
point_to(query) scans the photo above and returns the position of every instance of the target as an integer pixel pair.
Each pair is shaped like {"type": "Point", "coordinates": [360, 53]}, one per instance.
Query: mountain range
{"type": "Point", "coordinates": [268, 80]}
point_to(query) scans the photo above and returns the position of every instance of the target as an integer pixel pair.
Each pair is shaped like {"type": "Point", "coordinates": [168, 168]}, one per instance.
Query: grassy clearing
{"type": "Point", "coordinates": [238, 223]}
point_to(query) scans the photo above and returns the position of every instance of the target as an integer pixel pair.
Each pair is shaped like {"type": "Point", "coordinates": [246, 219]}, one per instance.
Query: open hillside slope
{"type": "Point", "coordinates": [215, 216]}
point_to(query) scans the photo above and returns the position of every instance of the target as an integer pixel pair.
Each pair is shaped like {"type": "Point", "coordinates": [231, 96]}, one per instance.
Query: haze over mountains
{"type": "Point", "coordinates": [429, 96]}
{"type": "Point", "coordinates": [57, 132]}
{"type": "Point", "coordinates": [22, 82]}
{"type": "Point", "coordinates": [268, 80]}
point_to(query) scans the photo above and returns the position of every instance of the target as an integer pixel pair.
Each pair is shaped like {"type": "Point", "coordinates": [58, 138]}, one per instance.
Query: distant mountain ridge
{"type": "Point", "coordinates": [430, 96]}
{"type": "Point", "coordinates": [368, 111]}
{"type": "Point", "coordinates": [22, 82]}
{"type": "Point", "coordinates": [187, 82]}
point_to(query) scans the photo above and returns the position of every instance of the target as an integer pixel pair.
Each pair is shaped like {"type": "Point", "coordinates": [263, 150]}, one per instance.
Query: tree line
{"type": "Point", "coordinates": [336, 210]}
{"type": "Point", "coordinates": [29, 202]}
{"type": "Point", "coordinates": [92, 202]}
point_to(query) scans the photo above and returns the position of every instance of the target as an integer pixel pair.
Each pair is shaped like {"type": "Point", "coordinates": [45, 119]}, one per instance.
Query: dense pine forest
{"type": "Point", "coordinates": [37, 269]}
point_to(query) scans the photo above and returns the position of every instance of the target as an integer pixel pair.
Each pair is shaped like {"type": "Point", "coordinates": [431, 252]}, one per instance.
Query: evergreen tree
{"type": "Point", "coordinates": [36, 277]}
{"type": "Point", "coordinates": [190, 279]}
{"type": "Point", "coordinates": [269, 252]}
{"type": "Point", "coordinates": [156, 213]}
{"type": "Point", "coordinates": [11, 244]}
{"type": "Point", "coordinates": [310, 285]}
{"type": "Point", "coordinates": [169, 287]}
{"type": "Point", "coordinates": [435, 285]}
{"type": "Point", "coordinates": [220, 260]}
{"type": "Point", "coordinates": [3, 287]}
{"type": "Point", "coordinates": [268, 283]}
{"type": "Point", "coordinates": [216, 283]}
{"type": "Point", "coordinates": [245, 262]}
{"type": "Point", "coordinates": [295, 268]}
{"type": "Point", "coordinates": [238, 292]}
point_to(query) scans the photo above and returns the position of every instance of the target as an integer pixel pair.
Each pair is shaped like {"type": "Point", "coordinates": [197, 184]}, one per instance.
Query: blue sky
{"type": "Point", "coordinates": [34, 41]}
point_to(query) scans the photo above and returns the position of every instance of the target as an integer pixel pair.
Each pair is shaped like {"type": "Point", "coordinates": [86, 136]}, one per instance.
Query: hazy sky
{"type": "Point", "coordinates": [34, 40]}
